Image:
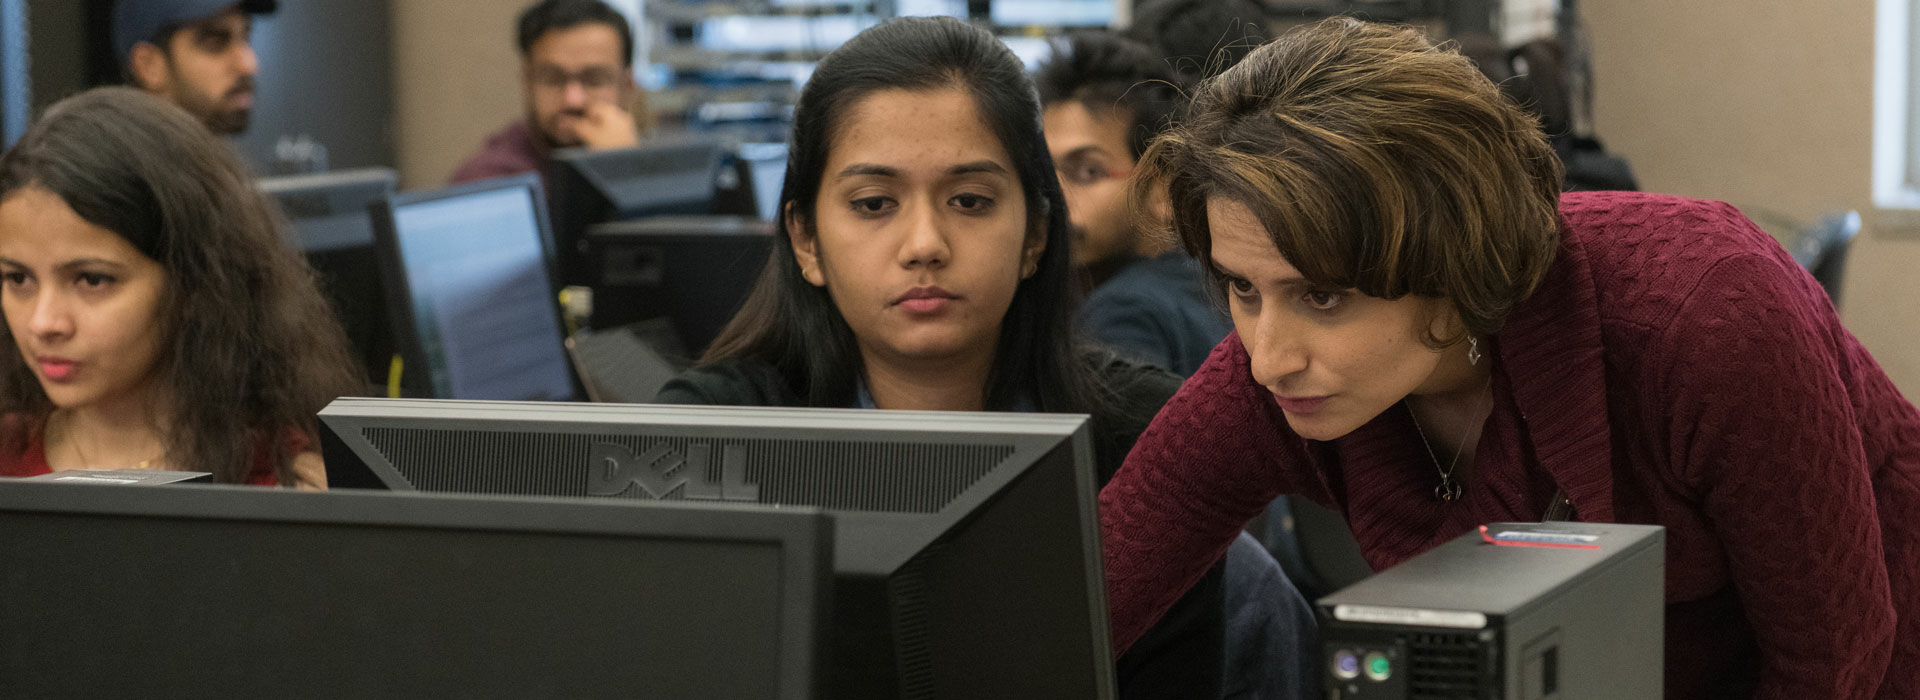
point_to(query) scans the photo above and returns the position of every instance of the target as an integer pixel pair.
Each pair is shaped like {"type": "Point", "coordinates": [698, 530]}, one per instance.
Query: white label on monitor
{"type": "Point", "coordinates": [97, 479]}
{"type": "Point", "coordinates": [1415, 617]}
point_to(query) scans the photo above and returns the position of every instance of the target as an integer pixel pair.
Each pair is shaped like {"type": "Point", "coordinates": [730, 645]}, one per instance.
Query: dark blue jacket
{"type": "Point", "coordinates": [1156, 312]}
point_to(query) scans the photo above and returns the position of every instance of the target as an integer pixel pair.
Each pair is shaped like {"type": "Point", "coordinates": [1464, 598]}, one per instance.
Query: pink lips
{"type": "Point", "coordinates": [925, 300]}
{"type": "Point", "coordinates": [1300, 406]}
{"type": "Point", "coordinates": [57, 369]}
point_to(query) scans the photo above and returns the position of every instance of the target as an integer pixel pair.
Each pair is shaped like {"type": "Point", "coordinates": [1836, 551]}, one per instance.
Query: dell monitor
{"type": "Point", "coordinates": [591, 187]}
{"type": "Point", "coordinates": [189, 591]}
{"type": "Point", "coordinates": [966, 553]}
{"type": "Point", "coordinates": [693, 271]}
{"type": "Point", "coordinates": [331, 224]}
{"type": "Point", "coordinates": [468, 287]}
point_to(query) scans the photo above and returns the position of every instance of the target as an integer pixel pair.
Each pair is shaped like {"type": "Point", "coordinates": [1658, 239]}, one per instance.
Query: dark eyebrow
{"type": "Point", "coordinates": [978, 166]}
{"type": "Point", "coordinates": [868, 169]}
{"type": "Point", "coordinates": [212, 31]}
{"type": "Point", "coordinates": [78, 263]}
{"type": "Point", "coordinates": [1226, 274]}
{"type": "Point", "coordinates": [70, 265]}
{"type": "Point", "coordinates": [1082, 151]}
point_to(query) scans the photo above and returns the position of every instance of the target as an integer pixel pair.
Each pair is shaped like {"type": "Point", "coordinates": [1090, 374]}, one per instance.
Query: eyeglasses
{"type": "Point", "coordinates": [591, 79]}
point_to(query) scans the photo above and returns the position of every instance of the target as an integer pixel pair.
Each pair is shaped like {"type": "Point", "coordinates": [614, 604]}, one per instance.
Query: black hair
{"type": "Point", "coordinates": [1108, 73]}
{"type": "Point", "coordinates": [552, 15]}
{"type": "Point", "coordinates": [1200, 38]}
{"type": "Point", "coordinates": [251, 349]}
{"type": "Point", "coordinates": [795, 326]}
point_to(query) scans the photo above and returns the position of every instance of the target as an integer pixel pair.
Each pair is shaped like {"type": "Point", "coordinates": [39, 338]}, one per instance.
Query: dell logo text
{"type": "Point", "coordinates": [661, 470]}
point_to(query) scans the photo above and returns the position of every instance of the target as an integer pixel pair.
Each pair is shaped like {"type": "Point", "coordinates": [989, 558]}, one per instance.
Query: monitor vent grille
{"type": "Point", "coordinates": [911, 628]}
{"type": "Point", "coordinates": [838, 475]}
{"type": "Point", "coordinates": [1446, 667]}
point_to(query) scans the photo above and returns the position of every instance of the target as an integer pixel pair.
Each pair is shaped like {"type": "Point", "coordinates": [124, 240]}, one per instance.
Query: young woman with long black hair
{"type": "Point", "coordinates": [924, 265]}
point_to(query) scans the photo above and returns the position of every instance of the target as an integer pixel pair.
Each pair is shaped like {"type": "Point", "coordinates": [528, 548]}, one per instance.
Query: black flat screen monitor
{"type": "Point", "coordinates": [192, 591]}
{"type": "Point", "coordinates": [693, 271]}
{"type": "Point", "coordinates": [591, 187]}
{"type": "Point", "coordinates": [332, 225]}
{"type": "Point", "coordinates": [750, 181]}
{"type": "Point", "coordinates": [468, 287]}
{"type": "Point", "coordinates": [966, 553]}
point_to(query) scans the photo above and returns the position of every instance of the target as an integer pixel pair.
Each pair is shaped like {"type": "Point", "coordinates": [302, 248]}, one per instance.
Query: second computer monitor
{"type": "Point", "coordinates": [330, 222]}
{"type": "Point", "coordinates": [469, 289]}
{"type": "Point", "coordinates": [694, 271]}
{"type": "Point", "coordinates": [966, 547]}
{"type": "Point", "coordinates": [589, 187]}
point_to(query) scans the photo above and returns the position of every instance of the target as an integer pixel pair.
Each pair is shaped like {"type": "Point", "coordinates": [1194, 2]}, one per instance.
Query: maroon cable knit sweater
{"type": "Point", "coordinates": [1675, 368]}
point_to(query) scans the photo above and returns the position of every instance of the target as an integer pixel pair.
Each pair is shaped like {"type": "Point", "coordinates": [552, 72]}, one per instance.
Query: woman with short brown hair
{"type": "Point", "coordinates": [1430, 337]}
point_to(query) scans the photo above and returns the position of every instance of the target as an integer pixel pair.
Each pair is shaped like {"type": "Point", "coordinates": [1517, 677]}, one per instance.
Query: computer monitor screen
{"type": "Point", "coordinates": [1033, 51]}
{"type": "Point", "coordinates": [784, 33]}
{"type": "Point", "coordinates": [477, 314]}
{"type": "Point", "coordinates": [693, 271]}
{"type": "Point", "coordinates": [591, 187]}
{"type": "Point", "coordinates": [214, 591]}
{"type": "Point", "coordinates": [331, 224]}
{"type": "Point", "coordinates": [966, 552]}
{"type": "Point", "coordinates": [1051, 13]}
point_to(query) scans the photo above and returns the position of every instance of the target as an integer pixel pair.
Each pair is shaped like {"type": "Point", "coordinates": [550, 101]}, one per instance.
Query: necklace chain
{"type": "Point", "coordinates": [1448, 489]}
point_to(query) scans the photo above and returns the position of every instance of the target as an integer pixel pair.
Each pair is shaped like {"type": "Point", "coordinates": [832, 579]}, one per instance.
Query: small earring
{"type": "Point", "coordinates": [1473, 350]}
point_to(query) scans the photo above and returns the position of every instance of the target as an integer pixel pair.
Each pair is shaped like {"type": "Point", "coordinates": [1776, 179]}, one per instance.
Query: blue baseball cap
{"type": "Point", "coordinates": [135, 21]}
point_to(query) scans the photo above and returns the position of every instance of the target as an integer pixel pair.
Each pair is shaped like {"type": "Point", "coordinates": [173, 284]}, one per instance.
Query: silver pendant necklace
{"type": "Point", "coordinates": [1449, 489]}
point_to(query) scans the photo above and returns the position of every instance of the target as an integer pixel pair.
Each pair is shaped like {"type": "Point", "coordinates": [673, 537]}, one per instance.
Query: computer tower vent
{"type": "Point", "coordinates": [1446, 666]}
{"type": "Point", "coordinates": [839, 475]}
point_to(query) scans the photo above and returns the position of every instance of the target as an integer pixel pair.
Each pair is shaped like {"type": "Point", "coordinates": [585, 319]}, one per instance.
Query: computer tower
{"type": "Point", "coordinates": [1515, 611]}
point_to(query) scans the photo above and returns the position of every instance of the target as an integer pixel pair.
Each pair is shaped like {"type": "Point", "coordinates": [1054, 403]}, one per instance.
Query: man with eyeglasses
{"type": "Point", "coordinates": [577, 70]}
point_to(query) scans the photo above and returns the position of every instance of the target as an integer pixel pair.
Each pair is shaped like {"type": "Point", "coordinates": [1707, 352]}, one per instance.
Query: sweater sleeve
{"type": "Point", "coordinates": [1762, 431]}
{"type": "Point", "coordinates": [1209, 462]}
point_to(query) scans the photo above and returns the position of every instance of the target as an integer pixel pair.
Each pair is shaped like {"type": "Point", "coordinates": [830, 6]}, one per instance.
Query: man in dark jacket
{"type": "Point", "coordinates": [1105, 97]}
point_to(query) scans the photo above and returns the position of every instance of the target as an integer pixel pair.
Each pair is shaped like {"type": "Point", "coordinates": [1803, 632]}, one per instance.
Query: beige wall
{"type": "Point", "coordinates": [1767, 104]}
{"type": "Point", "coordinates": [456, 79]}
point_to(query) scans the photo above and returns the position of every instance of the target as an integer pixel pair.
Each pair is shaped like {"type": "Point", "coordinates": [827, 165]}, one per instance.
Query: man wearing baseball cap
{"type": "Point", "coordinates": [195, 53]}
